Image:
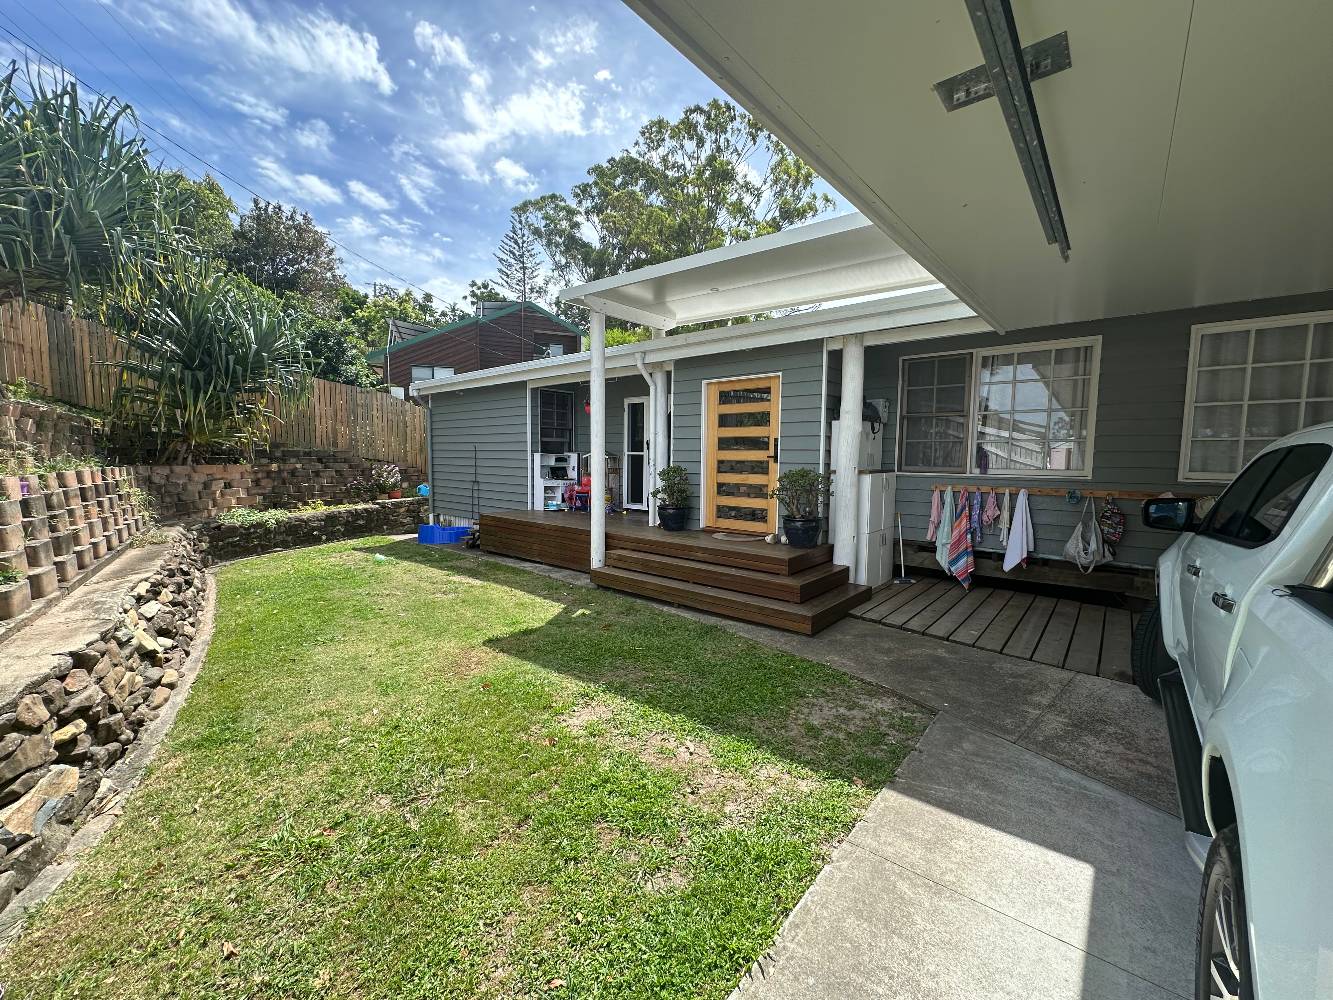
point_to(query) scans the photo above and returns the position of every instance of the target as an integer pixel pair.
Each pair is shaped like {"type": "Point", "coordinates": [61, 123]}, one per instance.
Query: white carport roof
{"type": "Point", "coordinates": [831, 260]}
{"type": "Point", "coordinates": [1190, 142]}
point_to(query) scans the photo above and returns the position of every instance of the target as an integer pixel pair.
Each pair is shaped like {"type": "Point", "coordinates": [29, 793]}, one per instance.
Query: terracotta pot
{"type": "Point", "coordinates": [395, 494]}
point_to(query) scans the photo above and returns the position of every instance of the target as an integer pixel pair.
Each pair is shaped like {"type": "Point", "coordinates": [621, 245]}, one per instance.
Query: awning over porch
{"type": "Point", "coordinates": [828, 261]}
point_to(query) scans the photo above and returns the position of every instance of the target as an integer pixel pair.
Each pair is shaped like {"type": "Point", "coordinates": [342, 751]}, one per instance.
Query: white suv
{"type": "Point", "coordinates": [1245, 610]}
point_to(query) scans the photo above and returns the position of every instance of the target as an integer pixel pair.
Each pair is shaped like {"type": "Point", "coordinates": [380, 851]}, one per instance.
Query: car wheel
{"type": "Point", "coordinates": [1149, 659]}
{"type": "Point", "coordinates": [1223, 965]}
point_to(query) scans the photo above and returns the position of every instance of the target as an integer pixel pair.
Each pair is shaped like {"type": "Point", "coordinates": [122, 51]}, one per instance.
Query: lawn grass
{"type": "Point", "coordinates": [406, 772]}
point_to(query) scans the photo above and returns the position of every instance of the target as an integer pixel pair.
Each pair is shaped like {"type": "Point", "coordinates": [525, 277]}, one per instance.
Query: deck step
{"type": "Point", "coordinates": [806, 618]}
{"type": "Point", "coordinates": [796, 588]}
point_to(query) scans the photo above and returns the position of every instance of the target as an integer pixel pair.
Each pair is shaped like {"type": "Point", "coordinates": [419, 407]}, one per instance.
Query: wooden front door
{"type": "Point", "coordinates": [741, 454]}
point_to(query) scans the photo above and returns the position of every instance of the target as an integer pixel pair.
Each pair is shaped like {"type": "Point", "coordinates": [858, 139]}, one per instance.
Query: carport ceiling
{"type": "Point", "coordinates": [1190, 143]}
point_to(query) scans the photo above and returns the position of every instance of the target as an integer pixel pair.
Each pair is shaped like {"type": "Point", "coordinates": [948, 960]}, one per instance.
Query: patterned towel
{"type": "Point", "coordinates": [976, 517]}
{"type": "Point", "coordinates": [935, 512]}
{"type": "Point", "coordinates": [991, 511]}
{"type": "Point", "coordinates": [961, 563]}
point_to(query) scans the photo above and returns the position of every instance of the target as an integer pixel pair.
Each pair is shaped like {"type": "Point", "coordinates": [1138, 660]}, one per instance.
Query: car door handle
{"type": "Point", "coordinates": [1192, 569]}
{"type": "Point", "coordinates": [1224, 602]}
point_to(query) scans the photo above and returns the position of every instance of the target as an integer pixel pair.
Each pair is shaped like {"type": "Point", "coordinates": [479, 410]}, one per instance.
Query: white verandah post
{"type": "Point", "coordinates": [597, 400]}
{"type": "Point", "coordinates": [846, 451]}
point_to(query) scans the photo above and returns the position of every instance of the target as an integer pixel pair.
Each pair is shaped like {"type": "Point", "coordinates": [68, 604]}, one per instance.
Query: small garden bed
{"type": "Point", "coordinates": [432, 775]}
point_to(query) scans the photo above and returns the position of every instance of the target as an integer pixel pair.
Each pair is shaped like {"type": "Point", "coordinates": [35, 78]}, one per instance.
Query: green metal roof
{"type": "Point", "coordinates": [379, 355]}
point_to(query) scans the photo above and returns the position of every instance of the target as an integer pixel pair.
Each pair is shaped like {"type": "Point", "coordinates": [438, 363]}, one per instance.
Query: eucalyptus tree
{"type": "Point", "coordinates": [83, 221]}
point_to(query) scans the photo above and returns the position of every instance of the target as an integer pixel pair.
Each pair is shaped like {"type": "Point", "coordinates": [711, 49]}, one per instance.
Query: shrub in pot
{"type": "Point", "coordinates": [802, 492]}
{"type": "Point", "coordinates": [387, 481]}
{"type": "Point", "coordinates": [673, 498]}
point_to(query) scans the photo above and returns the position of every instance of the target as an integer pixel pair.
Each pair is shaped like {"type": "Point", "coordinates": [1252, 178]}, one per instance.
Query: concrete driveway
{"type": "Point", "coordinates": [1029, 848]}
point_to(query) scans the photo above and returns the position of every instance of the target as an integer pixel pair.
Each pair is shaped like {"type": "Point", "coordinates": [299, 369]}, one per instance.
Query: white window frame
{"type": "Point", "coordinates": [436, 371]}
{"type": "Point", "coordinates": [1197, 332]}
{"type": "Point", "coordinates": [1094, 380]}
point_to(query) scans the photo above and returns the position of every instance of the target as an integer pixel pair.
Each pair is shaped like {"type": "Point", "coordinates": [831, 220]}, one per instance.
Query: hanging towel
{"type": "Point", "coordinates": [960, 545]}
{"type": "Point", "coordinates": [976, 517]}
{"type": "Point", "coordinates": [934, 525]}
{"type": "Point", "coordinates": [991, 511]}
{"type": "Point", "coordinates": [1021, 539]}
{"type": "Point", "coordinates": [1004, 520]}
{"type": "Point", "coordinates": [942, 536]}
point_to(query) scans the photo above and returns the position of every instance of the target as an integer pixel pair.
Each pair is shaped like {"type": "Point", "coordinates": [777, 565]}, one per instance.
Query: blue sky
{"type": "Point", "coordinates": [408, 133]}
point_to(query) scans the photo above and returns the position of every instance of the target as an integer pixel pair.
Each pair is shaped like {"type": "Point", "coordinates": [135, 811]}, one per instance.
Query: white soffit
{"type": "Point", "coordinates": [1190, 142]}
{"type": "Point", "coordinates": [826, 261]}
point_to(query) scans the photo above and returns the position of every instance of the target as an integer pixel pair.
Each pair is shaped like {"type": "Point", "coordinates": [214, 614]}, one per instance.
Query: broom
{"type": "Point", "coordinates": [902, 559]}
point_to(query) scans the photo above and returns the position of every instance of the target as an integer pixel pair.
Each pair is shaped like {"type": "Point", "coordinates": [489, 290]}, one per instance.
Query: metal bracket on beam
{"type": "Point", "coordinates": [1042, 59]}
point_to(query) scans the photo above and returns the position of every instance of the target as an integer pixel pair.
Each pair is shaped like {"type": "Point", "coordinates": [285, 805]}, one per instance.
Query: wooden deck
{"type": "Point", "coordinates": [799, 590]}
{"type": "Point", "coordinates": [1090, 638]}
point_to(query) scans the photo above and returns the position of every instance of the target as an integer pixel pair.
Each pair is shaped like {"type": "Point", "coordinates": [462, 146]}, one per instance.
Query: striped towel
{"type": "Point", "coordinates": [960, 545]}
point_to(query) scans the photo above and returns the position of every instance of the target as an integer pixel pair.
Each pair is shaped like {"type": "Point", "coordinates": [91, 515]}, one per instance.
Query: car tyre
{"type": "Point", "coordinates": [1149, 659]}
{"type": "Point", "coordinates": [1223, 963]}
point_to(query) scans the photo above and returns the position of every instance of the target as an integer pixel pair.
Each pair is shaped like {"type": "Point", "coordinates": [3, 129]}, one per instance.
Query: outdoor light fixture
{"type": "Point", "coordinates": [1009, 70]}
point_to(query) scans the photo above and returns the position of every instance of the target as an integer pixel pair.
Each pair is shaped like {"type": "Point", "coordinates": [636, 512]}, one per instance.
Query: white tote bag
{"type": "Point", "coordinates": [1085, 548]}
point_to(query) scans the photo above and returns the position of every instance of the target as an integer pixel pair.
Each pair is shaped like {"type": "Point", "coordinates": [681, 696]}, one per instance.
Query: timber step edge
{"type": "Point", "coordinates": [806, 618]}
{"type": "Point", "coordinates": [796, 588]}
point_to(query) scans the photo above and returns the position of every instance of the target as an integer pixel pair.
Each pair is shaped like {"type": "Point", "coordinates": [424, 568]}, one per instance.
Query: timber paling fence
{"type": "Point", "coordinates": [77, 361]}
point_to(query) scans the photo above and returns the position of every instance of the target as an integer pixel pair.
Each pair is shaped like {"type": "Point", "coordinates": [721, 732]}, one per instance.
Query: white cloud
{"type": "Point", "coordinates": [356, 227]}
{"type": "Point", "coordinates": [544, 109]}
{"type": "Point", "coordinates": [368, 196]}
{"type": "Point", "coordinates": [314, 134]}
{"type": "Point", "coordinates": [514, 175]}
{"type": "Point", "coordinates": [307, 42]}
{"type": "Point", "coordinates": [303, 189]}
{"type": "Point", "coordinates": [443, 48]}
{"type": "Point", "coordinates": [542, 58]}
{"type": "Point", "coordinates": [602, 75]}
{"type": "Point", "coordinates": [256, 109]}
{"type": "Point", "coordinates": [578, 37]}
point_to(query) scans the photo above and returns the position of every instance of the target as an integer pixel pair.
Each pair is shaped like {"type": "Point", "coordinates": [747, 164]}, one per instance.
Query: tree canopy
{"type": "Point", "coordinates": [712, 177]}
{"type": "Point", "coordinates": [283, 250]}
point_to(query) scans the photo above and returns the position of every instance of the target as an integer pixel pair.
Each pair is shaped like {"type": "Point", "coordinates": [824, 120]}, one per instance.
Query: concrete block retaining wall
{"type": "Point", "coordinates": [65, 719]}
{"type": "Point", "coordinates": [218, 542]}
{"type": "Point", "coordinates": [45, 431]}
{"type": "Point", "coordinates": [57, 526]}
{"type": "Point", "coordinates": [282, 479]}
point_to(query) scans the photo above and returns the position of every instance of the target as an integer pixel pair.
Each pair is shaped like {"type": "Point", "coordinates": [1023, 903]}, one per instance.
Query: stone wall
{"type": "Point", "coordinates": [282, 479]}
{"type": "Point", "coordinates": [64, 722]}
{"type": "Point", "coordinates": [219, 542]}
{"type": "Point", "coordinates": [43, 431]}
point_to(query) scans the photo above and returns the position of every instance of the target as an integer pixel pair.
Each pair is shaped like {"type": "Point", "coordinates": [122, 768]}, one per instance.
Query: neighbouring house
{"type": "Point", "coordinates": [1103, 321]}
{"type": "Point", "coordinates": [500, 333]}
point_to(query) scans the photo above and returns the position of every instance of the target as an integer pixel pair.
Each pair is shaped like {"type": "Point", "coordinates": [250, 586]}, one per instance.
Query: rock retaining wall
{"type": "Point", "coordinates": [45, 431]}
{"type": "Point", "coordinates": [218, 542]}
{"type": "Point", "coordinates": [64, 724]}
{"type": "Point", "coordinates": [283, 479]}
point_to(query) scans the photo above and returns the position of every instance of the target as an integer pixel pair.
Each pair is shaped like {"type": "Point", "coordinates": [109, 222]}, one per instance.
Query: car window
{"type": "Point", "coordinates": [1255, 507]}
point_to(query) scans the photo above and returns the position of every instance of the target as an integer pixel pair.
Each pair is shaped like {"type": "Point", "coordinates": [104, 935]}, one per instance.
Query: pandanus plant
{"type": "Point", "coordinates": [208, 358]}
{"type": "Point", "coordinates": [83, 220]}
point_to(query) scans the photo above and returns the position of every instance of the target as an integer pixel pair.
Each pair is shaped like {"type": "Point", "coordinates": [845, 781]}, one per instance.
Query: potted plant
{"type": "Point", "coordinates": [673, 498]}
{"type": "Point", "coordinates": [387, 481]}
{"type": "Point", "coordinates": [801, 493]}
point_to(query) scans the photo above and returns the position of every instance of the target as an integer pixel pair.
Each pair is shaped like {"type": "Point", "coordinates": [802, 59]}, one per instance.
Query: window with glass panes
{"type": "Point", "coordinates": [555, 421]}
{"type": "Point", "coordinates": [1250, 384]}
{"type": "Point", "coordinates": [933, 426]}
{"type": "Point", "coordinates": [1032, 409]}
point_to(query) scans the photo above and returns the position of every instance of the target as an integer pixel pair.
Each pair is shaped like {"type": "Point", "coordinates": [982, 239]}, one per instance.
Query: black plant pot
{"type": "Point", "coordinates": [801, 532]}
{"type": "Point", "coordinates": [673, 518]}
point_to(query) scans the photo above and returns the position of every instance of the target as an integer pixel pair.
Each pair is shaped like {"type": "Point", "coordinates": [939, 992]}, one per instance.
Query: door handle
{"type": "Point", "coordinates": [774, 457]}
{"type": "Point", "coordinates": [1192, 569]}
{"type": "Point", "coordinates": [1224, 602]}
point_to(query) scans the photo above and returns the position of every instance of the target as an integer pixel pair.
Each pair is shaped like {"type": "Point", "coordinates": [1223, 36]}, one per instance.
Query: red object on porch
{"type": "Point", "coordinates": [582, 492]}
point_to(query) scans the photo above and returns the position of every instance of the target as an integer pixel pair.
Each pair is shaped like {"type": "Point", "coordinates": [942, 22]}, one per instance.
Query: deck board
{"type": "Point", "coordinates": [996, 635]}
{"type": "Point", "coordinates": [891, 598]}
{"type": "Point", "coordinates": [900, 615]}
{"type": "Point", "coordinates": [1059, 631]}
{"type": "Point", "coordinates": [1023, 642]}
{"type": "Point", "coordinates": [979, 620]}
{"type": "Point", "coordinates": [1085, 647]}
{"type": "Point", "coordinates": [936, 609]}
{"type": "Point", "coordinates": [1116, 642]}
{"type": "Point", "coordinates": [948, 622]}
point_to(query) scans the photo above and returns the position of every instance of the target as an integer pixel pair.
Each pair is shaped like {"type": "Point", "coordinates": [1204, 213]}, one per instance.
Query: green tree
{"type": "Point", "coordinates": [284, 251]}
{"type": "Point", "coordinates": [483, 291]}
{"type": "Point", "coordinates": [518, 262]}
{"type": "Point", "coordinates": [83, 221]}
{"type": "Point", "coordinates": [205, 361]}
{"type": "Point", "coordinates": [205, 212]}
{"type": "Point", "coordinates": [714, 176]}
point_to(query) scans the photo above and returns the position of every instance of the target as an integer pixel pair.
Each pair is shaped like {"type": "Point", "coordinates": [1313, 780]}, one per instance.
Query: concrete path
{"type": "Point", "coordinates": [1022, 851]}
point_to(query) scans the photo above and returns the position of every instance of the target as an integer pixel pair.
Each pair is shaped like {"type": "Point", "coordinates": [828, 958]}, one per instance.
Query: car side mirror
{"type": "Point", "coordinates": [1169, 514]}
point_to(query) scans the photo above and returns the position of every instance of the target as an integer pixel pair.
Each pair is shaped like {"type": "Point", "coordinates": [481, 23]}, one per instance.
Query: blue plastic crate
{"type": "Point", "coordinates": [438, 534]}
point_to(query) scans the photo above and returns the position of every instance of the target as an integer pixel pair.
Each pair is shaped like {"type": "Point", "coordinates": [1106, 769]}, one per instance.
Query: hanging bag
{"type": "Point", "coordinates": [1085, 548]}
{"type": "Point", "coordinates": [1112, 522]}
